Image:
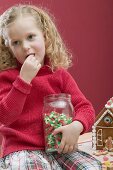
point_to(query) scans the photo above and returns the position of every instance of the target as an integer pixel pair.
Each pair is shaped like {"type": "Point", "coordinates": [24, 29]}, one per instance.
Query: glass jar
{"type": "Point", "coordinates": [57, 111]}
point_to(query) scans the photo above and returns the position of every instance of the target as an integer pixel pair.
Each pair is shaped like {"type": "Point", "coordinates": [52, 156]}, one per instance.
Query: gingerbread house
{"type": "Point", "coordinates": [102, 131]}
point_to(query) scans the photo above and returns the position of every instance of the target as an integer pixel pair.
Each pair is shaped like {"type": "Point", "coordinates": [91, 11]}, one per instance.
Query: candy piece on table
{"type": "Point", "coordinates": [107, 163]}
{"type": "Point", "coordinates": [100, 152]}
{"type": "Point", "coordinates": [105, 158]}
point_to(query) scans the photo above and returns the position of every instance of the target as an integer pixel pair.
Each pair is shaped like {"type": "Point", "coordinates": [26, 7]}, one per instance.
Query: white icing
{"type": "Point", "coordinates": [93, 130]}
{"type": "Point", "coordinates": [94, 143]}
{"type": "Point", "coordinates": [108, 106]}
{"type": "Point", "coordinates": [94, 148]}
{"type": "Point", "coordinates": [94, 138]}
{"type": "Point", "coordinates": [109, 103]}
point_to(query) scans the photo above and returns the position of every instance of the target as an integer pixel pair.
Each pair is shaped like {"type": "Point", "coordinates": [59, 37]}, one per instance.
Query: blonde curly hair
{"type": "Point", "coordinates": [55, 48]}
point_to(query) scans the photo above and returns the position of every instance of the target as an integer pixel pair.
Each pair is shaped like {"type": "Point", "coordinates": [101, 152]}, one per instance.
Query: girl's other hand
{"type": "Point", "coordinates": [29, 69]}
{"type": "Point", "coordinates": [70, 135]}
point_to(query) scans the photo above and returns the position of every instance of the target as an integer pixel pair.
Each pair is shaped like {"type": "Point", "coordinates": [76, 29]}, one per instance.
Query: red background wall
{"type": "Point", "coordinates": [87, 28]}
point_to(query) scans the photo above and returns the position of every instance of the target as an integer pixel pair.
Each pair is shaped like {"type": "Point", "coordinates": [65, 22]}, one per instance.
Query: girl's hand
{"type": "Point", "coordinates": [29, 69]}
{"type": "Point", "coordinates": [70, 135]}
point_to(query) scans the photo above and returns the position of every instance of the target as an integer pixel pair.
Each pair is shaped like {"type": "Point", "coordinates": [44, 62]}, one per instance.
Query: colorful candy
{"type": "Point", "coordinates": [52, 121]}
{"type": "Point", "coordinates": [107, 163]}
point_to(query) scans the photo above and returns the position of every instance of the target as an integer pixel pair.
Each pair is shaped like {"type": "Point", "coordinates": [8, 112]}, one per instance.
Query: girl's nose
{"type": "Point", "coordinates": [26, 45]}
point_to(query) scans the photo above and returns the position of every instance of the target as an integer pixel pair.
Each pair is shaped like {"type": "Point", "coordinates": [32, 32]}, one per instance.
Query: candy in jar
{"type": "Point", "coordinates": [57, 111]}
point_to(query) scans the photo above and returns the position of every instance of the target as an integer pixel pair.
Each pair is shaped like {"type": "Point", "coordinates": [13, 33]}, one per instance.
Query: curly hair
{"type": "Point", "coordinates": [55, 49]}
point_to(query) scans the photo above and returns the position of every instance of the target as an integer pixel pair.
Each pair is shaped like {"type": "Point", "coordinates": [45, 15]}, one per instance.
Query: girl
{"type": "Point", "coordinates": [34, 60]}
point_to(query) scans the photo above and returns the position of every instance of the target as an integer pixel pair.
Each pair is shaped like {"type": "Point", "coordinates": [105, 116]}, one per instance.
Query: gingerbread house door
{"type": "Point", "coordinates": [99, 138]}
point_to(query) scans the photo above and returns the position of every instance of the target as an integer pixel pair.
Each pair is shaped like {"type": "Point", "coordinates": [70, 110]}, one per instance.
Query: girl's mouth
{"type": "Point", "coordinates": [30, 54]}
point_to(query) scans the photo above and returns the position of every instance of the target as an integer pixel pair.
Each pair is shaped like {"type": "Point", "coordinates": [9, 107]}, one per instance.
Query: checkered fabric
{"type": "Point", "coordinates": [39, 160]}
{"type": "Point", "coordinates": [78, 160]}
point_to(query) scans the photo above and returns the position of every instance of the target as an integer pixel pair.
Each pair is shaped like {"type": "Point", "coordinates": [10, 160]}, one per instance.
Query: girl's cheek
{"type": "Point", "coordinates": [36, 44]}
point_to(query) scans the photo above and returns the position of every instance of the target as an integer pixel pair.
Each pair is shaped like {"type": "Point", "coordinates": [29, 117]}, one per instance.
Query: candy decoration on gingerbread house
{"type": "Point", "coordinates": [102, 131]}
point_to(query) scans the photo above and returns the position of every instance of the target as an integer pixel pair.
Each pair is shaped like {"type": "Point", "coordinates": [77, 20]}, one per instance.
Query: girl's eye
{"type": "Point", "coordinates": [30, 37]}
{"type": "Point", "coordinates": [15, 43]}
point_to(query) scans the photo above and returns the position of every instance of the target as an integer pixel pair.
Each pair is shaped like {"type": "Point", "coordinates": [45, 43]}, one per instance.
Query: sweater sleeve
{"type": "Point", "coordinates": [83, 109]}
{"type": "Point", "coordinates": [13, 95]}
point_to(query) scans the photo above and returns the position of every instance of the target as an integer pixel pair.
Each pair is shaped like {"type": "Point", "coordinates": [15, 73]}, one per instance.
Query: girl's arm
{"type": "Point", "coordinates": [83, 109]}
{"type": "Point", "coordinates": [84, 115]}
{"type": "Point", "coordinates": [12, 97]}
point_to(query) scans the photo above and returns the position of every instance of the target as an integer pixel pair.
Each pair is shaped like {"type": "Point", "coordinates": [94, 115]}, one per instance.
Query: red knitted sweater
{"type": "Point", "coordinates": [21, 107]}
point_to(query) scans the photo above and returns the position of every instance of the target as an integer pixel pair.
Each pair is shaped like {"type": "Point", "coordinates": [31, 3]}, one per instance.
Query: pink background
{"type": "Point", "coordinates": [87, 28]}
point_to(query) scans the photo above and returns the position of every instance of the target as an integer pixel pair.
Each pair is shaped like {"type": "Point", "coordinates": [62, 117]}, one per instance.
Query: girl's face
{"type": "Point", "coordinates": [25, 38]}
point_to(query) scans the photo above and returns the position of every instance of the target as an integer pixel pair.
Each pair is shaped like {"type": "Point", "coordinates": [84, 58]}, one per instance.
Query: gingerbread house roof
{"type": "Point", "coordinates": [107, 110]}
{"type": "Point", "coordinates": [102, 114]}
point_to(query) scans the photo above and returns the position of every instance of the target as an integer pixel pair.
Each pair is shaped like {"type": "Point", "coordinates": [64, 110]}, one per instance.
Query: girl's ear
{"type": "Point", "coordinates": [6, 43]}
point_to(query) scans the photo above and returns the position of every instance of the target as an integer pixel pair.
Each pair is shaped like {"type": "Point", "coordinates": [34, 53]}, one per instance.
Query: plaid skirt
{"type": "Point", "coordinates": [39, 160]}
